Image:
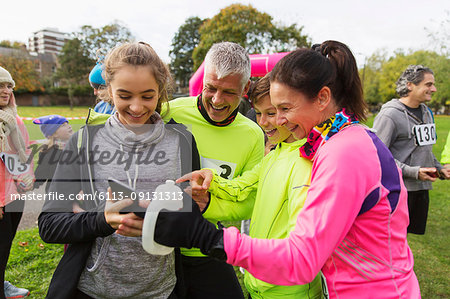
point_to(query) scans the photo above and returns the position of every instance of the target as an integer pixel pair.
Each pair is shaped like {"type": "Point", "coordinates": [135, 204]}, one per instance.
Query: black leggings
{"type": "Point", "coordinates": [206, 278]}
{"type": "Point", "coordinates": [8, 228]}
{"type": "Point", "coordinates": [418, 202]}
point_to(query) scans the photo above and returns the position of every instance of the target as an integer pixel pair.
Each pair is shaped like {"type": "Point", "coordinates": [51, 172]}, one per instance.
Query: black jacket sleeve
{"type": "Point", "coordinates": [69, 228]}
{"type": "Point", "coordinates": [57, 223]}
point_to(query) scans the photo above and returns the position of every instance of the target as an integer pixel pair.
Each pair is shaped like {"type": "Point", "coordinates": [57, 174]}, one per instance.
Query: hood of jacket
{"type": "Point", "coordinates": [130, 140]}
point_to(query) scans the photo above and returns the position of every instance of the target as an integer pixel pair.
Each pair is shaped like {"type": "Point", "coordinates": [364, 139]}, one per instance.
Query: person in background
{"type": "Point", "coordinates": [16, 176]}
{"type": "Point", "coordinates": [98, 83]}
{"type": "Point", "coordinates": [58, 131]}
{"type": "Point", "coordinates": [353, 224]}
{"type": "Point", "coordinates": [406, 125]}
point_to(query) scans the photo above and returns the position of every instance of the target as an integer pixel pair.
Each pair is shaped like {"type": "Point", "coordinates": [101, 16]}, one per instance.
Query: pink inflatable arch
{"type": "Point", "coordinates": [261, 65]}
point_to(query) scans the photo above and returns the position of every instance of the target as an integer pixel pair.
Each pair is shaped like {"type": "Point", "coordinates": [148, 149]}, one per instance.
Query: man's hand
{"type": "Point", "coordinates": [445, 172]}
{"type": "Point", "coordinates": [428, 174]}
{"type": "Point", "coordinates": [201, 197]}
{"type": "Point", "coordinates": [200, 182]}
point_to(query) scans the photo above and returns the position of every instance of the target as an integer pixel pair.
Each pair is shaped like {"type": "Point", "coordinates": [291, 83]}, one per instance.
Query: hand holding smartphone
{"type": "Point", "coordinates": [433, 174]}
{"type": "Point", "coordinates": [121, 191]}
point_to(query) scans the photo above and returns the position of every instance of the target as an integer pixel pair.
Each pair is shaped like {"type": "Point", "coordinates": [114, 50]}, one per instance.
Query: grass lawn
{"type": "Point", "coordinates": [31, 264]}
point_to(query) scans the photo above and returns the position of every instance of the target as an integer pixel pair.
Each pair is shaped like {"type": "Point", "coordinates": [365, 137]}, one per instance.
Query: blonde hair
{"type": "Point", "coordinates": [137, 54]}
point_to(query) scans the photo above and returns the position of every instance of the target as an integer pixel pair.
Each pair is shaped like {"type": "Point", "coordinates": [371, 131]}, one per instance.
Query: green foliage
{"type": "Point", "coordinates": [79, 54]}
{"type": "Point", "coordinates": [75, 63]}
{"type": "Point", "coordinates": [183, 44]}
{"type": "Point", "coordinates": [380, 74]}
{"type": "Point", "coordinates": [253, 30]}
{"type": "Point", "coordinates": [23, 73]}
{"type": "Point", "coordinates": [12, 44]}
{"type": "Point", "coordinates": [32, 262]}
{"type": "Point", "coordinates": [98, 41]}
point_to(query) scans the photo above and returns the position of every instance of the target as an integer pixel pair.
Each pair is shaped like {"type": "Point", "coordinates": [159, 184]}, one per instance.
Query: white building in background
{"type": "Point", "coordinates": [47, 40]}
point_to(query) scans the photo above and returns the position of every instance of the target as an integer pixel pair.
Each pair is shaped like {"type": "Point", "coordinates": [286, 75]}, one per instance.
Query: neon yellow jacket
{"type": "Point", "coordinates": [282, 180]}
{"type": "Point", "coordinates": [231, 150]}
{"type": "Point", "coordinates": [445, 156]}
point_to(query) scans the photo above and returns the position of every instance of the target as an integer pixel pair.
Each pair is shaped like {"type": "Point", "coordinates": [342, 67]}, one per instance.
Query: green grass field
{"type": "Point", "coordinates": [32, 262]}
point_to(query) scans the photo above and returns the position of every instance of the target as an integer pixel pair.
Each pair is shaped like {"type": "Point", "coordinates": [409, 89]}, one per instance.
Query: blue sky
{"type": "Point", "coordinates": [365, 26]}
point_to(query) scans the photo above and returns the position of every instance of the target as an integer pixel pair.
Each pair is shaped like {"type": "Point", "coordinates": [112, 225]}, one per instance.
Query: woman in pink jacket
{"type": "Point", "coordinates": [16, 176]}
{"type": "Point", "coordinates": [353, 224]}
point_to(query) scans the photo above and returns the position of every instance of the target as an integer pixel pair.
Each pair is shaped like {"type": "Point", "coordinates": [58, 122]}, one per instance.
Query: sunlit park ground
{"type": "Point", "coordinates": [32, 261]}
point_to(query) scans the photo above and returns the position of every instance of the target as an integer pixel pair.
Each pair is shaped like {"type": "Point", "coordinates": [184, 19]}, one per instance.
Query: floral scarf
{"type": "Point", "coordinates": [323, 131]}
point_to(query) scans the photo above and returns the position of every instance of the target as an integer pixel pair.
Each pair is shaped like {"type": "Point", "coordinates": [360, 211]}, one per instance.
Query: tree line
{"type": "Point", "coordinates": [254, 30]}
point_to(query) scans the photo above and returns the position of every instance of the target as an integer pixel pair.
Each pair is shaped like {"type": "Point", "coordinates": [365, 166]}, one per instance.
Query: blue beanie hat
{"type": "Point", "coordinates": [95, 76]}
{"type": "Point", "coordinates": [50, 123]}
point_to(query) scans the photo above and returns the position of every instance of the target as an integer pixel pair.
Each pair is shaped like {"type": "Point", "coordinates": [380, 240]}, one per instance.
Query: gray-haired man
{"type": "Point", "coordinates": [228, 142]}
{"type": "Point", "coordinates": [407, 127]}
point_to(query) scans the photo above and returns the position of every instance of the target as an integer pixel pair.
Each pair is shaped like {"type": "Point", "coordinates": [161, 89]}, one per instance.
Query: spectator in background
{"type": "Point", "coordinates": [98, 82]}
{"type": "Point", "coordinates": [57, 130]}
{"type": "Point", "coordinates": [407, 127]}
{"type": "Point", "coordinates": [14, 180]}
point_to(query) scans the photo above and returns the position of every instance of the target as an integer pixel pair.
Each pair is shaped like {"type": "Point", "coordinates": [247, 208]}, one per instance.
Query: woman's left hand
{"type": "Point", "coordinates": [25, 183]}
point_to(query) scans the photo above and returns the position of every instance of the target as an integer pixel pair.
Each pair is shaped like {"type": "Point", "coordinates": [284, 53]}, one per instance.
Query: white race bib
{"type": "Point", "coordinates": [425, 134]}
{"type": "Point", "coordinates": [224, 169]}
{"type": "Point", "coordinates": [13, 164]}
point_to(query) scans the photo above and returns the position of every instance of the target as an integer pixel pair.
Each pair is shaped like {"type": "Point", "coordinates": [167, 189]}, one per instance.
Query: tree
{"type": "Point", "coordinates": [79, 54]}
{"type": "Point", "coordinates": [98, 41]}
{"type": "Point", "coordinates": [440, 38]}
{"type": "Point", "coordinates": [253, 30]}
{"type": "Point", "coordinates": [370, 77]}
{"type": "Point", "coordinates": [75, 63]}
{"type": "Point", "coordinates": [381, 75]}
{"type": "Point", "coordinates": [12, 44]}
{"type": "Point", "coordinates": [183, 44]}
{"type": "Point", "coordinates": [23, 72]}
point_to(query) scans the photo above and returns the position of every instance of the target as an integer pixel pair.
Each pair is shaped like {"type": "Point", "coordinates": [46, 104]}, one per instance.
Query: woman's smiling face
{"type": "Point", "coordinates": [295, 111]}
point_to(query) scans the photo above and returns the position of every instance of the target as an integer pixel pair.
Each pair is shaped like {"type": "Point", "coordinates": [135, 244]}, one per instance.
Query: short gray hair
{"type": "Point", "coordinates": [228, 58]}
{"type": "Point", "coordinates": [413, 74]}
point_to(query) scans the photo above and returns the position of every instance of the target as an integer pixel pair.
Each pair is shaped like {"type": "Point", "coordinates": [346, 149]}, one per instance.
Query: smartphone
{"type": "Point", "coordinates": [121, 191]}
{"type": "Point", "coordinates": [433, 174]}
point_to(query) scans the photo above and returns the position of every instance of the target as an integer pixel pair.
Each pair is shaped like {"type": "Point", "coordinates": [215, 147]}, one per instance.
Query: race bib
{"type": "Point", "coordinates": [223, 168]}
{"type": "Point", "coordinates": [425, 134]}
{"type": "Point", "coordinates": [13, 164]}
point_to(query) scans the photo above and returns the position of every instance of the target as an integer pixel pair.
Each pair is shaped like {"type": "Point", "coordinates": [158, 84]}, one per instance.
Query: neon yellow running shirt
{"type": "Point", "coordinates": [282, 180]}
{"type": "Point", "coordinates": [230, 150]}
